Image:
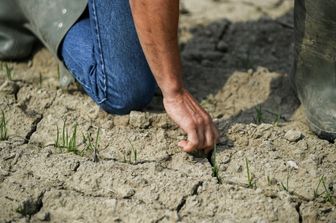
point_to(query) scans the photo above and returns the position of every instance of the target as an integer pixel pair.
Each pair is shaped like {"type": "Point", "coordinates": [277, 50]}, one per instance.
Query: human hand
{"type": "Point", "coordinates": [193, 120]}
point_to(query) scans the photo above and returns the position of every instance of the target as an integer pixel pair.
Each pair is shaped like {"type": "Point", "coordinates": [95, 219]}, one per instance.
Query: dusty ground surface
{"type": "Point", "coordinates": [237, 57]}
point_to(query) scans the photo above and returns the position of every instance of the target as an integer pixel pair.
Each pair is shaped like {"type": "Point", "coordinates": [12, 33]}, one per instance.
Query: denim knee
{"type": "Point", "coordinates": [135, 97]}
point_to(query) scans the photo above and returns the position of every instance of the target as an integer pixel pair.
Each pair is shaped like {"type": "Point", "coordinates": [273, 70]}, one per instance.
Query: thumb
{"type": "Point", "coordinates": [182, 143]}
{"type": "Point", "coordinates": [186, 146]}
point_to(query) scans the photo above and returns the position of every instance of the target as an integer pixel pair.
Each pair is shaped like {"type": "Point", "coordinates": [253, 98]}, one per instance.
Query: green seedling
{"type": "Point", "coordinates": [40, 80]}
{"type": "Point", "coordinates": [3, 127]}
{"type": "Point", "coordinates": [269, 181]}
{"type": "Point", "coordinates": [250, 179]}
{"type": "Point", "coordinates": [131, 156]}
{"type": "Point", "coordinates": [259, 115]}
{"type": "Point", "coordinates": [8, 70]}
{"type": "Point", "coordinates": [277, 119]}
{"type": "Point", "coordinates": [58, 73]}
{"type": "Point", "coordinates": [285, 187]}
{"type": "Point", "coordinates": [215, 168]}
{"type": "Point", "coordinates": [328, 197]}
{"type": "Point", "coordinates": [67, 141]}
{"type": "Point", "coordinates": [316, 193]}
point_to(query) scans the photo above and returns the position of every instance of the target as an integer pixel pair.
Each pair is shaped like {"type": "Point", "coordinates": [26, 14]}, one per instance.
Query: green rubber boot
{"type": "Point", "coordinates": [314, 73]}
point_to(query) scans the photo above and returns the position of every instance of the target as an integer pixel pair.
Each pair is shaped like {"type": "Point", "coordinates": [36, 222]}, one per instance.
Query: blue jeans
{"type": "Point", "coordinates": [103, 53]}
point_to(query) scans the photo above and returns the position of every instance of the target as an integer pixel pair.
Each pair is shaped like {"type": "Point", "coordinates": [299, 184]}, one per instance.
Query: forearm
{"type": "Point", "coordinates": [156, 22]}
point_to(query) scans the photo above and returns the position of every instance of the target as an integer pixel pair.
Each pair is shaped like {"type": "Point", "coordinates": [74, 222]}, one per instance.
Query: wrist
{"type": "Point", "coordinates": [173, 92]}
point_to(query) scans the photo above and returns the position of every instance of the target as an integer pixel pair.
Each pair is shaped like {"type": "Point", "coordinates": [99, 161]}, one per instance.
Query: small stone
{"type": "Point", "coordinates": [268, 145]}
{"type": "Point", "coordinates": [183, 9]}
{"type": "Point", "coordinates": [47, 153]}
{"type": "Point", "coordinates": [239, 168]}
{"type": "Point", "coordinates": [30, 63]}
{"type": "Point", "coordinates": [293, 136]}
{"type": "Point", "coordinates": [74, 165]}
{"type": "Point", "coordinates": [226, 160]}
{"type": "Point", "coordinates": [292, 164]}
{"type": "Point", "coordinates": [222, 46]}
{"type": "Point", "coordinates": [43, 216]}
{"type": "Point", "coordinates": [139, 120]}
{"type": "Point", "coordinates": [223, 168]}
{"type": "Point", "coordinates": [126, 192]}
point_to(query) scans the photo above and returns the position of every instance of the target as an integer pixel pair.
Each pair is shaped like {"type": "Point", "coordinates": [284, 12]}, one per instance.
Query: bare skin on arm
{"type": "Point", "coordinates": [157, 25]}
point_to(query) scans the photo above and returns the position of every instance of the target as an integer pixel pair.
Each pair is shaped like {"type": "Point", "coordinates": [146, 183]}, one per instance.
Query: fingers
{"type": "Point", "coordinates": [183, 143]}
{"type": "Point", "coordinates": [200, 132]}
{"type": "Point", "coordinates": [192, 143]}
{"type": "Point", "coordinates": [210, 139]}
{"type": "Point", "coordinates": [208, 131]}
{"type": "Point", "coordinates": [195, 121]}
{"type": "Point", "coordinates": [200, 137]}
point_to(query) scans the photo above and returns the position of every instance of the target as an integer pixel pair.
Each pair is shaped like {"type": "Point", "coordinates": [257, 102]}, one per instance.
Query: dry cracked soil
{"type": "Point", "coordinates": [269, 167]}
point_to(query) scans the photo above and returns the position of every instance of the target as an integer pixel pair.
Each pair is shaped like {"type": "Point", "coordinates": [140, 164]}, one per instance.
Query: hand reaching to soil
{"type": "Point", "coordinates": [194, 120]}
{"type": "Point", "coordinates": [156, 23]}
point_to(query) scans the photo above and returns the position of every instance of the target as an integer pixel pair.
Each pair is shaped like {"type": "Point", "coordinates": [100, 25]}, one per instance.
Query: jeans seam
{"type": "Point", "coordinates": [99, 49]}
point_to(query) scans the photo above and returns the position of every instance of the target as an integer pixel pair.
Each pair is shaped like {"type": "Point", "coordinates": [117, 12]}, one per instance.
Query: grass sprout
{"type": "Point", "coordinates": [250, 178]}
{"type": "Point", "coordinates": [131, 156]}
{"type": "Point", "coordinates": [327, 193]}
{"type": "Point", "coordinates": [8, 70]}
{"type": "Point", "coordinates": [40, 80]}
{"type": "Point", "coordinates": [3, 127]}
{"type": "Point", "coordinates": [65, 140]}
{"type": "Point", "coordinates": [285, 186]}
{"type": "Point", "coordinates": [277, 119]}
{"type": "Point", "coordinates": [215, 168]}
{"type": "Point", "coordinates": [269, 181]}
{"type": "Point", "coordinates": [259, 118]}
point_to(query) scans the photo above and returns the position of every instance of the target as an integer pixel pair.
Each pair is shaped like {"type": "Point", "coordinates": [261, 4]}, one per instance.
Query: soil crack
{"type": "Point", "coordinates": [33, 128]}
{"type": "Point", "coordinates": [297, 207]}
{"type": "Point", "coordinates": [195, 188]}
{"type": "Point", "coordinates": [181, 204]}
{"type": "Point", "coordinates": [34, 125]}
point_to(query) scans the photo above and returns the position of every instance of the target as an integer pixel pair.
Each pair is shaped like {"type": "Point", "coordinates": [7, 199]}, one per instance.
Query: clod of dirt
{"type": "Point", "coordinates": [121, 120]}
{"type": "Point", "coordinates": [293, 135]}
{"type": "Point", "coordinates": [138, 120]}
